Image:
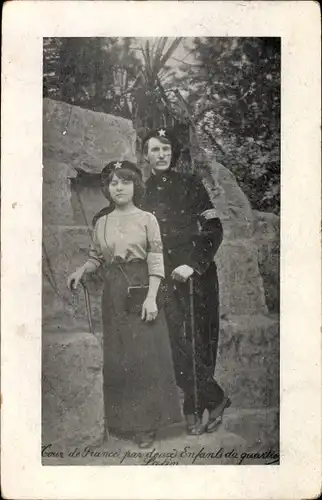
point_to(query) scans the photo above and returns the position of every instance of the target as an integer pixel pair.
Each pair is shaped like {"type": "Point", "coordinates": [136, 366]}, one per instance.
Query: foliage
{"type": "Point", "coordinates": [91, 72]}
{"type": "Point", "coordinates": [153, 103]}
{"type": "Point", "coordinates": [107, 74]}
{"type": "Point", "coordinates": [234, 90]}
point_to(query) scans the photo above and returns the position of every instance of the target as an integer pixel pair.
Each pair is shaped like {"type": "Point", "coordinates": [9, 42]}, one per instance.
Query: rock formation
{"type": "Point", "coordinates": [248, 364]}
{"type": "Point", "coordinates": [267, 238]}
{"type": "Point", "coordinates": [73, 139]}
{"type": "Point", "coordinates": [248, 361]}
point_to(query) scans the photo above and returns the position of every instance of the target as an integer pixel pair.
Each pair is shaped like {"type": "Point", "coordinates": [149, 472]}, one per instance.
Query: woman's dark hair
{"type": "Point", "coordinates": [126, 175]}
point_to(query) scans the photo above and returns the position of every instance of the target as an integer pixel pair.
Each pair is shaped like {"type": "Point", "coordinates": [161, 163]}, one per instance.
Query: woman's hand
{"type": "Point", "coordinates": [74, 279]}
{"type": "Point", "coordinates": [149, 309]}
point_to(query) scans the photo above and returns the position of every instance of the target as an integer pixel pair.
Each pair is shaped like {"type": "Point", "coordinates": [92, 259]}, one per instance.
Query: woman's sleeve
{"type": "Point", "coordinates": [95, 254]}
{"type": "Point", "coordinates": [154, 248]}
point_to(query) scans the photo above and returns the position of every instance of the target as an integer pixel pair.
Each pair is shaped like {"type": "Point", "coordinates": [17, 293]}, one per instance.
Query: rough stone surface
{"type": "Point", "coordinates": [86, 202]}
{"type": "Point", "coordinates": [241, 289]}
{"type": "Point", "coordinates": [72, 402]}
{"type": "Point", "coordinates": [259, 428]}
{"type": "Point", "coordinates": [267, 238]}
{"type": "Point", "coordinates": [231, 203]}
{"type": "Point", "coordinates": [248, 360]}
{"type": "Point", "coordinates": [57, 207]}
{"type": "Point", "coordinates": [73, 138]}
{"type": "Point", "coordinates": [67, 248]}
{"type": "Point", "coordinates": [85, 139]}
{"type": "Point", "coordinates": [241, 285]}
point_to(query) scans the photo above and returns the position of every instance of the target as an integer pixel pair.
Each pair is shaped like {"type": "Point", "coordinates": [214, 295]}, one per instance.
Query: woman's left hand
{"type": "Point", "coordinates": [149, 309]}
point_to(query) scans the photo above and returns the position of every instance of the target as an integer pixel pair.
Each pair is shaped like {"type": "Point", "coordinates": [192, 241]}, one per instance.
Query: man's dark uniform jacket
{"type": "Point", "coordinates": [191, 233]}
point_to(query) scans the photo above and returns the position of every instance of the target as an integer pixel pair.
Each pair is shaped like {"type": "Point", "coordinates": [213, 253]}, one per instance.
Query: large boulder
{"type": "Point", "coordinates": [85, 139]}
{"type": "Point", "coordinates": [267, 238]}
{"type": "Point", "coordinates": [231, 203]}
{"type": "Point", "coordinates": [57, 208]}
{"type": "Point", "coordinates": [72, 397]}
{"type": "Point", "coordinates": [248, 360]}
{"type": "Point", "coordinates": [65, 249]}
{"type": "Point", "coordinates": [241, 285]}
{"type": "Point", "coordinates": [248, 357]}
{"type": "Point", "coordinates": [74, 140]}
{"type": "Point", "coordinates": [86, 202]}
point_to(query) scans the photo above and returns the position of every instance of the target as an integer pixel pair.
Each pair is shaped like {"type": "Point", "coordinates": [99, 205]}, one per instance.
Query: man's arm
{"type": "Point", "coordinates": [204, 246]}
{"type": "Point", "coordinates": [206, 243]}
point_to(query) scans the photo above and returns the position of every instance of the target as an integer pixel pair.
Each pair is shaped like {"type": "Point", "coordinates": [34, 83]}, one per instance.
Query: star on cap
{"type": "Point", "coordinates": [118, 164]}
{"type": "Point", "coordinates": [161, 132]}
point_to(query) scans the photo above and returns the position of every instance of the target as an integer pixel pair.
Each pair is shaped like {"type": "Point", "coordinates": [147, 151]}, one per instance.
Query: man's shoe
{"type": "Point", "coordinates": [216, 415]}
{"type": "Point", "coordinates": [194, 425]}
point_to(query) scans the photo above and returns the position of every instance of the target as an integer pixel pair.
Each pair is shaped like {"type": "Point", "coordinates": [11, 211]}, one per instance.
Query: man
{"type": "Point", "coordinates": [191, 233]}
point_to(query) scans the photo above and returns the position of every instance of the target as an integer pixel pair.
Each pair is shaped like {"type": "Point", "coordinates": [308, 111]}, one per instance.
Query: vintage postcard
{"type": "Point", "coordinates": [160, 250]}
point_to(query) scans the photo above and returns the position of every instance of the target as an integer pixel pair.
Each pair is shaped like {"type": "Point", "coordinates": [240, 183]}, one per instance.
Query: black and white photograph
{"type": "Point", "coordinates": [161, 248]}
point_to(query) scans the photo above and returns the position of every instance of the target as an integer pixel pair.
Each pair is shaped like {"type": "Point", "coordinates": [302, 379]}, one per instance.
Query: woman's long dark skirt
{"type": "Point", "coordinates": [140, 392]}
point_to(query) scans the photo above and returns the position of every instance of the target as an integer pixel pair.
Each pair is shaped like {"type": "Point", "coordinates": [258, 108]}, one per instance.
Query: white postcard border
{"type": "Point", "coordinates": [24, 25]}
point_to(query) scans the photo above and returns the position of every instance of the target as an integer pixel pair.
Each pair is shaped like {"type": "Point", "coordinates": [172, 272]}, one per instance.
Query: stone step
{"type": "Point", "coordinates": [171, 447]}
{"type": "Point", "coordinates": [72, 396]}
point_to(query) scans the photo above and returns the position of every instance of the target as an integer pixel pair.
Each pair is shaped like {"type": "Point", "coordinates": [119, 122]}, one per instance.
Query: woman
{"type": "Point", "coordinates": [140, 391]}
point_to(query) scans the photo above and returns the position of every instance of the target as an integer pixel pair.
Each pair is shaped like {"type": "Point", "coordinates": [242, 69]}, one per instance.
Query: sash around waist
{"type": "Point", "coordinates": [131, 273]}
{"type": "Point", "coordinates": [120, 261]}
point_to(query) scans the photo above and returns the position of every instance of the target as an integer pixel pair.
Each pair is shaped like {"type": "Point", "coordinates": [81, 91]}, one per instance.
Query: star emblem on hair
{"type": "Point", "coordinates": [118, 164]}
{"type": "Point", "coordinates": [161, 132]}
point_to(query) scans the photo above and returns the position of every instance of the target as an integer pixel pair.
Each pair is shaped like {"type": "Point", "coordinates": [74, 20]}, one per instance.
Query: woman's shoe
{"type": "Point", "coordinates": [194, 425]}
{"type": "Point", "coordinates": [145, 439]}
{"type": "Point", "coordinates": [216, 415]}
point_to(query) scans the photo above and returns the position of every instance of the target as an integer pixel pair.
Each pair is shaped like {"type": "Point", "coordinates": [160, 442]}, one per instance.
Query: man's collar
{"type": "Point", "coordinates": [163, 173]}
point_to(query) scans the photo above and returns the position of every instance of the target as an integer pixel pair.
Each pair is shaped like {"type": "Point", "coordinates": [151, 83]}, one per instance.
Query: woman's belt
{"type": "Point", "coordinates": [120, 260]}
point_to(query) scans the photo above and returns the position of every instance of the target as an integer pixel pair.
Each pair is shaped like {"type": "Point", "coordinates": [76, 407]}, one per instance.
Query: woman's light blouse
{"type": "Point", "coordinates": [125, 237]}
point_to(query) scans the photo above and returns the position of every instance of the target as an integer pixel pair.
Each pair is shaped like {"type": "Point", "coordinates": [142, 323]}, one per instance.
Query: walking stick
{"type": "Point", "coordinates": [91, 329]}
{"type": "Point", "coordinates": [193, 343]}
{"type": "Point", "coordinates": [88, 307]}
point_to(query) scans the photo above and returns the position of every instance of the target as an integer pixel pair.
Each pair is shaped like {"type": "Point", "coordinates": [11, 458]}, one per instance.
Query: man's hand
{"type": "Point", "coordinates": [182, 273]}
